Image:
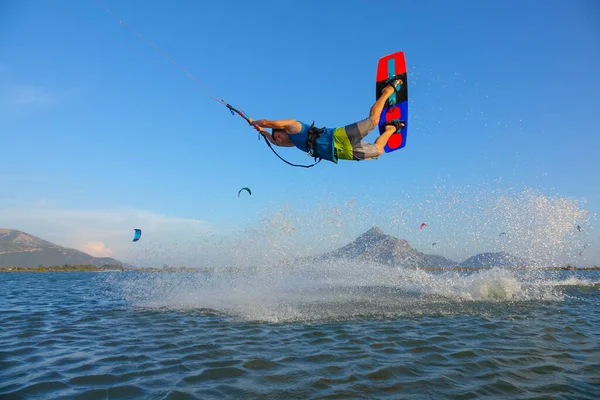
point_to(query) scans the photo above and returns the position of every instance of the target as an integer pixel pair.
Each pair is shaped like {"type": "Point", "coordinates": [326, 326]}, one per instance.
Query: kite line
{"type": "Point", "coordinates": [212, 94]}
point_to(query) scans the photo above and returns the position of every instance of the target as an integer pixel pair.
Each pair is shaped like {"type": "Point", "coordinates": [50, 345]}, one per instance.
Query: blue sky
{"type": "Point", "coordinates": [96, 126]}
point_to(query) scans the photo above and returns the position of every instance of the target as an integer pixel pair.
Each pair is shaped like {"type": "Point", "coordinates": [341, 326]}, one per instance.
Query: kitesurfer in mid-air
{"type": "Point", "coordinates": [334, 143]}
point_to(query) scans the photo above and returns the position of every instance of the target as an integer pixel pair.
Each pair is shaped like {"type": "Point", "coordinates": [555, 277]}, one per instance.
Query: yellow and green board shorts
{"type": "Point", "coordinates": [348, 142]}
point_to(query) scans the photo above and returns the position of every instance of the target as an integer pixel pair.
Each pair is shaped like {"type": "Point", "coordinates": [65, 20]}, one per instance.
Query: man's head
{"type": "Point", "coordinates": [281, 138]}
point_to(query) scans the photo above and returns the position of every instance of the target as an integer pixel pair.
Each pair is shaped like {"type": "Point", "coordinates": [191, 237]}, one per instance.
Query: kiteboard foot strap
{"type": "Point", "coordinates": [390, 81]}
{"type": "Point", "coordinates": [396, 123]}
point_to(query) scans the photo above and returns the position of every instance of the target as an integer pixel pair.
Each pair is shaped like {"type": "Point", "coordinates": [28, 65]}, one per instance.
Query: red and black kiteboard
{"type": "Point", "coordinates": [390, 67]}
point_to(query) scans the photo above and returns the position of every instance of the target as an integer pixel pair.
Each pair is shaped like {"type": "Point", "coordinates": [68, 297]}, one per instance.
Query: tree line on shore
{"type": "Point", "coordinates": [166, 268]}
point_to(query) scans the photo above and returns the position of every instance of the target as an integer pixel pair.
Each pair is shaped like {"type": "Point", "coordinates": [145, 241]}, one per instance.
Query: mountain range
{"type": "Point", "coordinates": [19, 249]}
{"type": "Point", "coordinates": [375, 245]}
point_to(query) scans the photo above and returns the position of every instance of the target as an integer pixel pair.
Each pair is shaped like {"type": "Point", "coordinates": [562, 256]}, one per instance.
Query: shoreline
{"type": "Point", "coordinates": [112, 268]}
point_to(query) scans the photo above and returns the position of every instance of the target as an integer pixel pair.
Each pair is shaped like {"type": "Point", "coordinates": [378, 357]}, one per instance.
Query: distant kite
{"type": "Point", "coordinates": [246, 189]}
{"type": "Point", "coordinates": [433, 244]}
{"type": "Point", "coordinates": [137, 235]}
{"type": "Point", "coordinates": [503, 233]}
{"type": "Point", "coordinates": [423, 225]}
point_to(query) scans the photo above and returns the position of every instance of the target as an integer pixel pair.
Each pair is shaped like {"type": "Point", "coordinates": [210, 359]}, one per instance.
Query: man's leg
{"type": "Point", "coordinates": [387, 91]}
{"type": "Point", "coordinates": [368, 151]}
{"type": "Point", "coordinates": [382, 140]}
{"type": "Point", "coordinates": [349, 138]}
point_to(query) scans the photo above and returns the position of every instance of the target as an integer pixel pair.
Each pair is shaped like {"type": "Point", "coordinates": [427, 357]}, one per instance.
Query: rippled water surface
{"type": "Point", "coordinates": [279, 335]}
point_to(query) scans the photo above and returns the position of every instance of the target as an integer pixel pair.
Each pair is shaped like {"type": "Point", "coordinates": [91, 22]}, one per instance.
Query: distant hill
{"type": "Point", "coordinates": [19, 249]}
{"type": "Point", "coordinates": [501, 259]}
{"type": "Point", "coordinates": [374, 245]}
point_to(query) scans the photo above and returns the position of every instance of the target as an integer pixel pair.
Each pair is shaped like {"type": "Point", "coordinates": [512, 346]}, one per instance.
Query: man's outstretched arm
{"type": "Point", "coordinates": [288, 125]}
